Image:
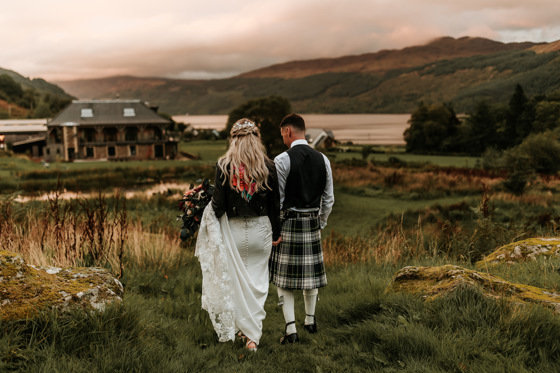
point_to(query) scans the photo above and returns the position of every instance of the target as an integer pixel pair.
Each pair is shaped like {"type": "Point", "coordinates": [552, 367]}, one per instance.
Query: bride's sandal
{"type": "Point", "coordinates": [242, 336]}
{"type": "Point", "coordinates": [250, 345]}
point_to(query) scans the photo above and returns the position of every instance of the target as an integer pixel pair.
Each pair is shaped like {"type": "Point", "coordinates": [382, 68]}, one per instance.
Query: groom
{"type": "Point", "coordinates": [306, 198]}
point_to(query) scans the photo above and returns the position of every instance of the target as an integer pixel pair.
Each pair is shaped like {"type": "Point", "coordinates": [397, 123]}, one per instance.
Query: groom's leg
{"type": "Point", "coordinates": [310, 299]}
{"type": "Point", "coordinates": [286, 297]}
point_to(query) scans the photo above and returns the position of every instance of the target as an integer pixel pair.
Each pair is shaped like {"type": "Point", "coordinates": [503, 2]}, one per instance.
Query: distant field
{"type": "Point", "coordinates": [209, 151]}
{"type": "Point", "coordinates": [383, 153]}
{"type": "Point", "coordinates": [358, 214]}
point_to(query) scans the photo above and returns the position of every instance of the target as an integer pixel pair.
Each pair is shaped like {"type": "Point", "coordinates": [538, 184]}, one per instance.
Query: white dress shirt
{"type": "Point", "coordinates": [282, 162]}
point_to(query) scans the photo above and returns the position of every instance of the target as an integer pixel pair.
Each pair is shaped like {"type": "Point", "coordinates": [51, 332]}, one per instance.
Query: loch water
{"type": "Point", "coordinates": [374, 129]}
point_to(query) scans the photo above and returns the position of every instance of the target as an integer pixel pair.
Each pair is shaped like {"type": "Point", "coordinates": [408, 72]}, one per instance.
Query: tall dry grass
{"type": "Point", "coordinates": [83, 232]}
{"type": "Point", "coordinates": [435, 180]}
{"type": "Point", "coordinates": [390, 245]}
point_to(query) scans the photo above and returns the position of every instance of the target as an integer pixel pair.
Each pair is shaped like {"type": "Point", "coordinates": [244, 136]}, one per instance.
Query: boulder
{"type": "Point", "coordinates": [25, 289]}
{"type": "Point", "coordinates": [520, 251]}
{"type": "Point", "coordinates": [433, 282]}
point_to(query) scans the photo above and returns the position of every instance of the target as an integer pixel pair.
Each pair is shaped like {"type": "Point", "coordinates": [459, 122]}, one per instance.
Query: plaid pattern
{"type": "Point", "coordinates": [297, 263]}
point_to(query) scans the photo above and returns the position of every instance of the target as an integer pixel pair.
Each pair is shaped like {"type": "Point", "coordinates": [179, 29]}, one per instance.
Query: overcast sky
{"type": "Point", "coordinates": [70, 39]}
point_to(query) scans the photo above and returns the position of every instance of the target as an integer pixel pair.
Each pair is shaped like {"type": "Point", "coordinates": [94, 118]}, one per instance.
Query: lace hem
{"type": "Point", "coordinates": [217, 298]}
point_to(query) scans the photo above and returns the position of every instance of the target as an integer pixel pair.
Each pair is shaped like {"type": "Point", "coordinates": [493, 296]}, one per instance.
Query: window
{"type": "Point", "coordinates": [129, 112]}
{"type": "Point", "coordinates": [90, 134]}
{"type": "Point", "coordinates": [89, 152]}
{"type": "Point", "coordinates": [111, 151]}
{"type": "Point", "coordinates": [87, 113]}
{"type": "Point", "coordinates": [132, 150]}
{"type": "Point", "coordinates": [158, 151]}
{"type": "Point", "coordinates": [56, 135]}
{"type": "Point", "coordinates": [110, 134]}
{"type": "Point", "coordinates": [131, 134]}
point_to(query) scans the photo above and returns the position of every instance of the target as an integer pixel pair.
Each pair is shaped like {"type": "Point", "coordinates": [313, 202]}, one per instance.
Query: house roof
{"type": "Point", "coordinates": [27, 128]}
{"type": "Point", "coordinates": [95, 112]}
{"type": "Point", "coordinates": [30, 141]}
{"type": "Point", "coordinates": [22, 122]}
{"type": "Point", "coordinates": [22, 126]}
{"type": "Point", "coordinates": [316, 136]}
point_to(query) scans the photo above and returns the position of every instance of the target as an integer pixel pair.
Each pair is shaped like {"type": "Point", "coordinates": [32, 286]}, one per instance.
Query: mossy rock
{"type": "Point", "coordinates": [25, 289]}
{"type": "Point", "coordinates": [521, 251]}
{"type": "Point", "coordinates": [433, 282]}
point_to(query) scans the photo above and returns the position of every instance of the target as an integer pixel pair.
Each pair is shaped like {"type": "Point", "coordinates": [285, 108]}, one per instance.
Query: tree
{"type": "Point", "coordinates": [42, 111]}
{"type": "Point", "coordinates": [9, 89]}
{"type": "Point", "coordinates": [414, 135]}
{"type": "Point", "coordinates": [431, 129]}
{"type": "Point", "coordinates": [28, 99]}
{"type": "Point", "coordinates": [267, 113]}
{"type": "Point", "coordinates": [482, 128]}
{"type": "Point", "coordinates": [543, 151]}
{"type": "Point", "coordinates": [519, 119]}
{"type": "Point", "coordinates": [547, 116]}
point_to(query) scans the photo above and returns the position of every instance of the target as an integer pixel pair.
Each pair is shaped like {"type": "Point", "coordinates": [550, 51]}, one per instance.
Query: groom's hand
{"type": "Point", "coordinates": [277, 242]}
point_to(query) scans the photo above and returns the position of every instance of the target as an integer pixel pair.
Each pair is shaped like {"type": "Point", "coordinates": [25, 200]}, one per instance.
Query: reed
{"type": "Point", "coordinates": [83, 232]}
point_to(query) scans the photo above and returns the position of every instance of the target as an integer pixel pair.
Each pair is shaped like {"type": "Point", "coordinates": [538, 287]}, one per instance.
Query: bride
{"type": "Point", "coordinates": [236, 234]}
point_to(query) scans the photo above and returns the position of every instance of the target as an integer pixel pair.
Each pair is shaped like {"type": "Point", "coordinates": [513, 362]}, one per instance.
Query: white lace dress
{"type": "Point", "coordinates": [233, 255]}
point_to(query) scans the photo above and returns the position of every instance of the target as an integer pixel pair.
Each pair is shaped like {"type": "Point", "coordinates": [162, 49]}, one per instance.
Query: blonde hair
{"type": "Point", "coordinates": [245, 149]}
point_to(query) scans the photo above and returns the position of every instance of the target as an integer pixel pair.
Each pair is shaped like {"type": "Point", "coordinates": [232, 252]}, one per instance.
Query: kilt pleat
{"type": "Point", "coordinates": [297, 262]}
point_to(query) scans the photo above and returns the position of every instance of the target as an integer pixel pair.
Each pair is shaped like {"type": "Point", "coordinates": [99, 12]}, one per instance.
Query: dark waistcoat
{"type": "Point", "coordinates": [306, 181]}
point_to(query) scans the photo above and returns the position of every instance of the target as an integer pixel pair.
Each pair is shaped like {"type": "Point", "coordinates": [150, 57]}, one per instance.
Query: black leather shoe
{"type": "Point", "coordinates": [311, 328]}
{"type": "Point", "coordinates": [289, 338]}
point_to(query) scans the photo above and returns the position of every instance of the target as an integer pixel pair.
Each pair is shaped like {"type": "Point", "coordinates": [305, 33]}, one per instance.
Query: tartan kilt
{"type": "Point", "coordinates": [297, 262]}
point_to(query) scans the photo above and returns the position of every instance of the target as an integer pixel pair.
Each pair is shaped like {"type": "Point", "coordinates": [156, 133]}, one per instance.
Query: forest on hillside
{"type": "Point", "coordinates": [35, 100]}
{"type": "Point", "coordinates": [462, 81]}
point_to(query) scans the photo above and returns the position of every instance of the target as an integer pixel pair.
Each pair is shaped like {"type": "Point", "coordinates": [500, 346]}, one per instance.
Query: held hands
{"type": "Point", "coordinates": [277, 242]}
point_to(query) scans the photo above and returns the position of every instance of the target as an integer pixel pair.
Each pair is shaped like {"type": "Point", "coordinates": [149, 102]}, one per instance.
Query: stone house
{"type": "Point", "coordinates": [320, 138]}
{"type": "Point", "coordinates": [109, 130]}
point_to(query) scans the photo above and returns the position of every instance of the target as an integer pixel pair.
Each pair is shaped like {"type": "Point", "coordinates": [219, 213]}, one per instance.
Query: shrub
{"type": "Point", "coordinates": [543, 152]}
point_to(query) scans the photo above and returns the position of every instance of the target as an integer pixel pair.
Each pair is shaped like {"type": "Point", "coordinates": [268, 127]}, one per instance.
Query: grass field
{"type": "Point", "coordinates": [382, 220]}
{"type": "Point", "coordinates": [160, 327]}
{"type": "Point", "coordinates": [359, 214]}
{"type": "Point", "coordinates": [397, 152]}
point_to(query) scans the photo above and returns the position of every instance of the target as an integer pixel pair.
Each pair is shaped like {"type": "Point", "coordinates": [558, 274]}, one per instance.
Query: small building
{"type": "Point", "coordinates": [23, 136]}
{"type": "Point", "coordinates": [33, 147]}
{"type": "Point", "coordinates": [320, 138]}
{"type": "Point", "coordinates": [109, 130]}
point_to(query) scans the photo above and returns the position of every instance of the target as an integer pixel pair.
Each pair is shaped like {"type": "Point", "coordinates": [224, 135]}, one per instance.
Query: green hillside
{"type": "Point", "coordinates": [41, 85]}
{"type": "Point", "coordinates": [21, 97]}
{"type": "Point", "coordinates": [463, 81]}
{"type": "Point", "coordinates": [462, 71]}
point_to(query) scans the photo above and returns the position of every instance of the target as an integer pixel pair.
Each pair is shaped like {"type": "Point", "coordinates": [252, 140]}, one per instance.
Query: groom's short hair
{"type": "Point", "coordinates": [293, 120]}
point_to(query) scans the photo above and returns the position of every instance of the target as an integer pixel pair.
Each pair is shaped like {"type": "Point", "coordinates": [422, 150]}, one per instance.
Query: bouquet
{"type": "Point", "coordinates": [192, 205]}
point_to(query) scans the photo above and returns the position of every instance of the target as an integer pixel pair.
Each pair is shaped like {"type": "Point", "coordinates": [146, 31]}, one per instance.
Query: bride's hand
{"type": "Point", "coordinates": [277, 242]}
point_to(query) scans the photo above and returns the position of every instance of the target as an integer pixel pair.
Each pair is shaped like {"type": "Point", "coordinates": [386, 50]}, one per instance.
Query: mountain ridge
{"type": "Point", "coordinates": [387, 59]}
{"type": "Point", "coordinates": [460, 71]}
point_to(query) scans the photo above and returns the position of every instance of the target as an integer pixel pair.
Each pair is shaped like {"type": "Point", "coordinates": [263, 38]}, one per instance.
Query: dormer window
{"type": "Point", "coordinates": [129, 112]}
{"type": "Point", "coordinates": [87, 113]}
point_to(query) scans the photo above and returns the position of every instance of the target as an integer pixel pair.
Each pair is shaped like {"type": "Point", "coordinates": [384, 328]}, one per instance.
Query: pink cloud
{"type": "Point", "coordinates": [65, 39]}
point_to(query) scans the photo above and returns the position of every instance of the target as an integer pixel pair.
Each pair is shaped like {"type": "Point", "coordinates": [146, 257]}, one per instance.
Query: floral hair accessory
{"type": "Point", "coordinates": [243, 124]}
{"type": "Point", "coordinates": [244, 127]}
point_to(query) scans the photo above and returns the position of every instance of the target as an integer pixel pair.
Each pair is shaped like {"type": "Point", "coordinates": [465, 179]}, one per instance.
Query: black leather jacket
{"type": "Point", "coordinates": [264, 202]}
